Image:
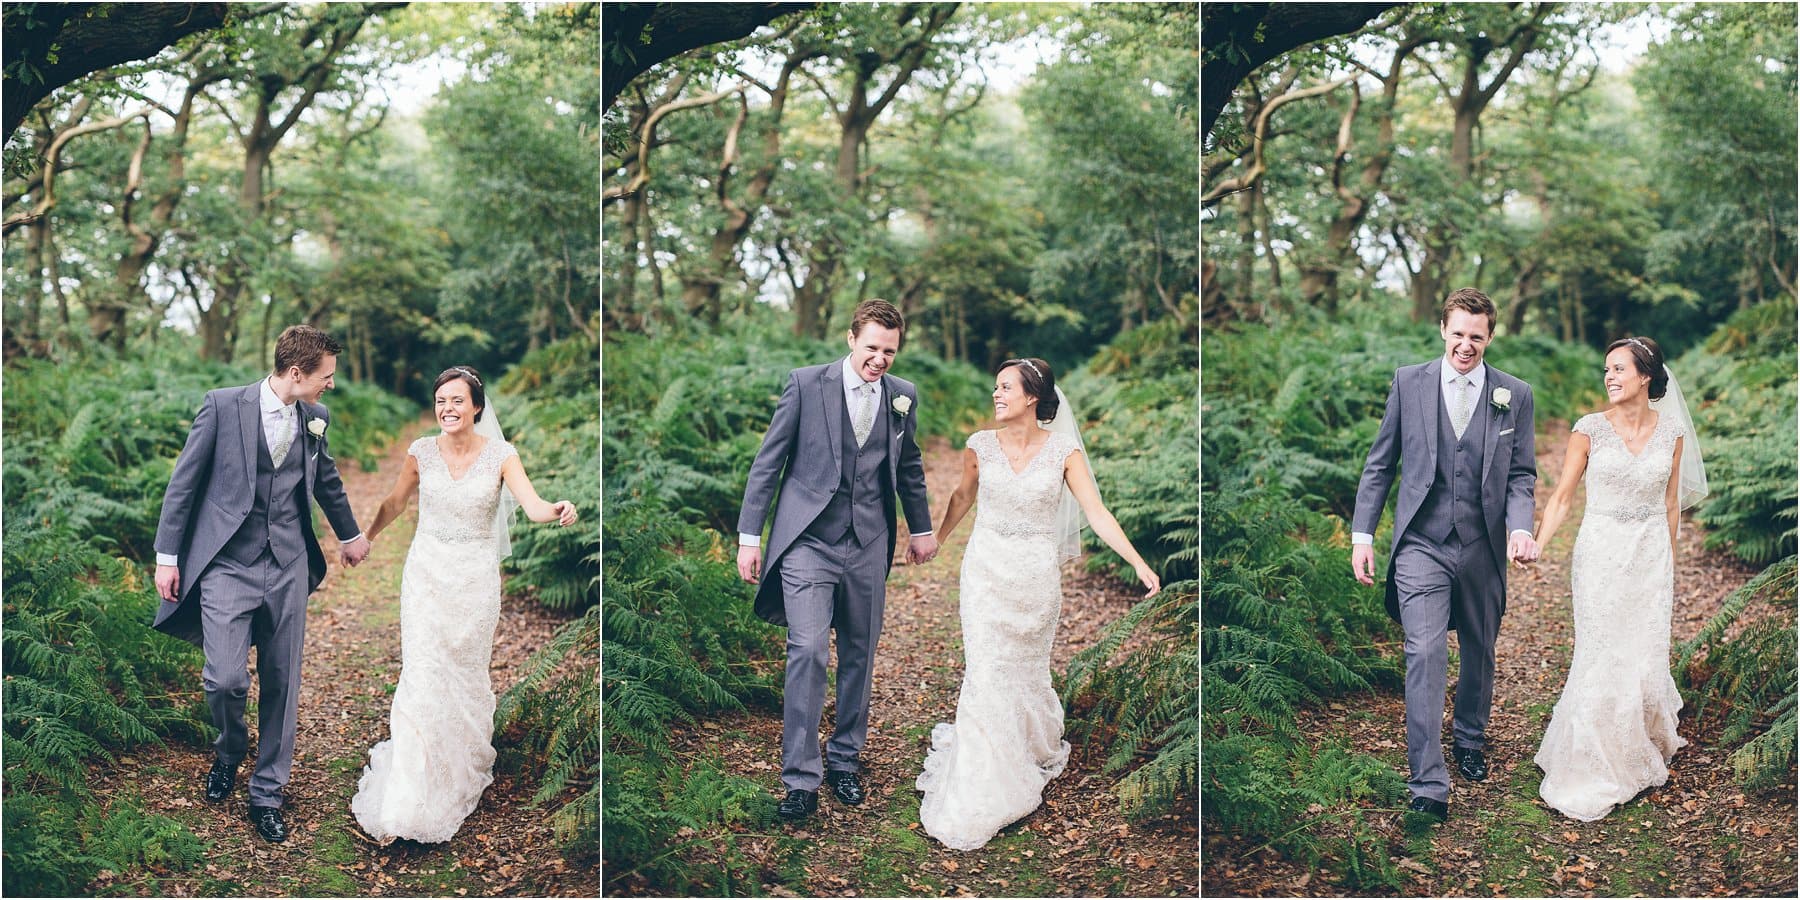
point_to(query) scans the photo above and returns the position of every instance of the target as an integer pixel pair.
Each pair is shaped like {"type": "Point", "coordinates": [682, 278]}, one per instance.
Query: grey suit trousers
{"type": "Point", "coordinates": [829, 584]}
{"type": "Point", "coordinates": [1430, 580]}
{"type": "Point", "coordinates": [261, 603]}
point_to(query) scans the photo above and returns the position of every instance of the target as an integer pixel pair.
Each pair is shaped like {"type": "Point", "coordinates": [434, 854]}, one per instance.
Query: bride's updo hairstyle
{"type": "Point", "coordinates": [1038, 380]}
{"type": "Point", "coordinates": [469, 377]}
{"type": "Point", "coordinates": [1649, 359]}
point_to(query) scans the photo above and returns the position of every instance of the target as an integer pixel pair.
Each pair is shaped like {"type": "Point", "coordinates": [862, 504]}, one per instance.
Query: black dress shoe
{"type": "Point", "coordinates": [269, 824]}
{"type": "Point", "coordinates": [1470, 763]}
{"type": "Point", "coordinates": [219, 781]}
{"type": "Point", "coordinates": [1436, 809]}
{"type": "Point", "coordinates": [798, 805]}
{"type": "Point", "coordinates": [847, 787]}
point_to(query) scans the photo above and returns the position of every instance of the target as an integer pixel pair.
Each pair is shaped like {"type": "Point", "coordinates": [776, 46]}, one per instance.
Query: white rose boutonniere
{"type": "Point", "coordinates": [316, 426]}
{"type": "Point", "coordinates": [902, 405]}
{"type": "Point", "coordinates": [1502, 399]}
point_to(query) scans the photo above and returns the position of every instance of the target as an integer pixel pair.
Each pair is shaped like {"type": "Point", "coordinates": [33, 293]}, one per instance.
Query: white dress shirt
{"type": "Point", "coordinates": [852, 399]}
{"type": "Point", "coordinates": [1447, 388]}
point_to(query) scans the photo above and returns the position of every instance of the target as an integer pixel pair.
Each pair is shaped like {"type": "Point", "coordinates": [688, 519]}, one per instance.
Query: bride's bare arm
{"type": "Point", "coordinates": [962, 498]}
{"type": "Point", "coordinates": [1672, 497]}
{"type": "Point", "coordinates": [395, 502]}
{"type": "Point", "coordinates": [1557, 509]}
{"type": "Point", "coordinates": [1081, 484]}
{"type": "Point", "coordinates": [536, 508]}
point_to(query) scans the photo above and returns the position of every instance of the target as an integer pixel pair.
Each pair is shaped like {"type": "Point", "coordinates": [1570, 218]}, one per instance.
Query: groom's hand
{"type": "Point", "coordinates": [749, 563]}
{"type": "Point", "coordinates": [1521, 548]}
{"type": "Point", "coordinates": [1362, 563]}
{"type": "Point", "coordinates": [921, 549]}
{"type": "Point", "coordinates": [354, 552]}
{"type": "Point", "coordinates": [168, 581]}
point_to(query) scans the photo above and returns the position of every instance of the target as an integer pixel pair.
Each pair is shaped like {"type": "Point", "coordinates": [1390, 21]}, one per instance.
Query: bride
{"type": "Point", "coordinates": [428, 775]}
{"type": "Point", "coordinates": [989, 769]}
{"type": "Point", "coordinates": [1612, 733]}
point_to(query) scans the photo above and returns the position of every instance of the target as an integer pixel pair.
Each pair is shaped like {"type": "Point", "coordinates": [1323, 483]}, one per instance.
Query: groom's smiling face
{"type": "Point", "coordinates": [873, 349]}
{"type": "Point", "coordinates": [1466, 337]}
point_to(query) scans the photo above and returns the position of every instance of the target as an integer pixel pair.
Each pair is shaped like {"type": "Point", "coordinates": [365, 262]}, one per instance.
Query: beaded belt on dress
{"type": "Point", "coordinates": [1630, 513]}
{"type": "Point", "coordinates": [460, 537]}
{"type": "Point", "coordinates": [1015, 528]}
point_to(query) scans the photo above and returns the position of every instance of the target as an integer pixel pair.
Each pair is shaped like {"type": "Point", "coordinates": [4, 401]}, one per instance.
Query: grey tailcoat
{"type": "Point", "coordinates": [802, 456]}
{"type": "Point", "coordinates": [214, 484]}
{"type": "Point", "coordinates": [1409, 437]}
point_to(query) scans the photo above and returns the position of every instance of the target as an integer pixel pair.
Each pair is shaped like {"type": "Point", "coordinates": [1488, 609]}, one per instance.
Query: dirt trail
{"type": "Point", "coordinates": [1698, 835]}
{"type": "Point", "coordinates": [351, 665]}
{"type": "Point", "coordinates": [1076, 844]}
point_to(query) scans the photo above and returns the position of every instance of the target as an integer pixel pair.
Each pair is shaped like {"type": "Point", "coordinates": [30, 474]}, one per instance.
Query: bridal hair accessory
{"type": "Point", "coordinates": [1693, 487]}
{"type": "Point", "coordinates": [472, 375]}
{"type": "Point", "coordinates": [1501, 398]}
{"type": "Point", "coordinates": [1069, 517]}
{"type": "Point", "coordinates": [902, 404]}
{"type": "Point", "coordinates": [1642, 346]}
{"type": "Point", "coordinates": [316, 426]}
{"type": "Point", "coordinates": [1034, 368]}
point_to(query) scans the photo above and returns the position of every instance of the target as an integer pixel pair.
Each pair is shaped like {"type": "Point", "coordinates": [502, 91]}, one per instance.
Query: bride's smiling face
{"type": "Point", "coordinates": [1621, 376]}
{"type": "Point", "coordinates": [1011, 400]}
{"type": "Point", "coordinates": [455, 410]}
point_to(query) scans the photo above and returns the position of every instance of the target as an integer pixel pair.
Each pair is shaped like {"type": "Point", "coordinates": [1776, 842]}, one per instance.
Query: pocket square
{"type": "Point", "coordinates": [1507, 432]}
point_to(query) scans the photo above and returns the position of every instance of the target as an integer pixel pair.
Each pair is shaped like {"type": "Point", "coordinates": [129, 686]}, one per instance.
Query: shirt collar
{"type": "Point", "coordinates": [1477, 375]}
{"type": "Point", "coordinates": [851, 379]}
{"type": "Point", "coordinates": [270, 402]}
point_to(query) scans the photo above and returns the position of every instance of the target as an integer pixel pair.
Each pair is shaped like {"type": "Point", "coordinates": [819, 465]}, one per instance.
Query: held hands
{"type": "Point", "coordinates": [168, 581]}
{"type": "Point", "coordinates": [749, 563]}
{"type": "Point", "coordinates": [921, 550]}
{"type": "Point", "coordinates": [1522, 549]}
{"type": "Point", "coordinates": [353, 553]}
{"type": "Point", "coordinates": [1362, 563]}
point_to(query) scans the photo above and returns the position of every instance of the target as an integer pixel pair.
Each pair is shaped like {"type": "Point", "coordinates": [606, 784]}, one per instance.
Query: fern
{"type": "Point", "coordinates": [1747, 682]}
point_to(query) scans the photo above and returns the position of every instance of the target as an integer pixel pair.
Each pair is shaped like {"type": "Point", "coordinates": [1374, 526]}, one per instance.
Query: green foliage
{"type": "Point", "coordinates": [1742, 674]}
{"type": "Point", "coordinates": [1740, 386]}
{"type": "Point", "coordinates": [550, 723]}
{"type": "Point", "coordinates": [661, 818]}
{"type": "Point", "coordinates": [548, 400]}
{"type": "Point", "coordinates": [55, 847]}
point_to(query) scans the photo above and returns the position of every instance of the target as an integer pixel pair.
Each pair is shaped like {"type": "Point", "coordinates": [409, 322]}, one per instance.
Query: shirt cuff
{"type": "Point", "coordinates": [1358, 539]}
{"type": "Point", "coordinates": [354, 539]}
{"type": "Point", "coordinates": [167, 559]}
{"type": "Point", "coordinates": [918, 534]}
{"type": "Point", "coordinates": [749, 540]}
{"type": "Point", "coordinates": [1518, 531]}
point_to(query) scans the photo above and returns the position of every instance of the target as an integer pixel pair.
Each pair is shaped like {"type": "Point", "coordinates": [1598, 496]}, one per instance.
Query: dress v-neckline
{"type": "Point", "coordinates": [1008, 459]}
{"type": "Point", "coordinates": [446, 460]}
{"type": "Point", "coordinates": [1647, 438]}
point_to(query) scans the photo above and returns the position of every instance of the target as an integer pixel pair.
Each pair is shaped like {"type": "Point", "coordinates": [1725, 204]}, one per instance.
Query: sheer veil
{"type": "Point", "coordinates": [489, 427]}
{"type": "Point", "coordinates": [1069, 517]}
{"type": "Point", "coordinates": [1693, 469]}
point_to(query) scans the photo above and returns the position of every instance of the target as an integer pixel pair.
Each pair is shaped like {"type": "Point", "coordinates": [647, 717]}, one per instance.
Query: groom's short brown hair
{"type": "Point", "coordinates": [1474, 303]}
{"type": "Point", "coordinates": [304, 346]}
{"type": "Point", "coordinates": [881, 313]}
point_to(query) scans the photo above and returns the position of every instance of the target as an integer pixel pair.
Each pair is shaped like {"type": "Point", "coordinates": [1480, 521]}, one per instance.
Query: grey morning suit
{"type": "Point", "coordinates": [1459, 499]}
{"type": "Point", "coordinates": [240, 525]}
{"type": "Point", "coordinates": [829, 552]}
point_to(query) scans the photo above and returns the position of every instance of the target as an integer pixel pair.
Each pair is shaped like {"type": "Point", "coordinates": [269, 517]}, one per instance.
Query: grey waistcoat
{"type": "Point", "coordinates": [1454, 503]}
{"type": "Point", "coordinates": [274, 520]}
{"type": "Point", "coordinates": [856, 508]}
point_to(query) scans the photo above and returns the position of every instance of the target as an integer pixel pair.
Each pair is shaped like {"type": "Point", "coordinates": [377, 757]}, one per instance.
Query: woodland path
{"type": "Point", "coordinates": [1076, 844]}
{"type": "Point", "coordinates": [1698, 835]}
{"type": "Point", "coordinates": [352, 662]}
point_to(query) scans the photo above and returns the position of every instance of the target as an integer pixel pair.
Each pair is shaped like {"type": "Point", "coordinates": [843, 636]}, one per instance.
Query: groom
{"type": "Point", "coordinates": [236, 524]}
{"type": "Point", "coordinates": [839, 448]}
{"type": "Point", "coordinates": [1461, 432]}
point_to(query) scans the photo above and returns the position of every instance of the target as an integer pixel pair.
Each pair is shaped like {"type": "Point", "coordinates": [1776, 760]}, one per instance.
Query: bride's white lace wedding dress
{"type": "Point", "coordinates": [1612, 733]}
{"type": "Point", "coordinates": [989, 769]}
{"type": "Point", "coordinates": [429, 774]}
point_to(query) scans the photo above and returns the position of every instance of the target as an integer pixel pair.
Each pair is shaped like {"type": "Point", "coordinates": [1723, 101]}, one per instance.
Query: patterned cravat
{"type": "Point", "coordinates": [865, 412]}
{"type": "Point", "coordinates": [1460, 418]}
{"type": "Point", "coordinates": [279, 451]}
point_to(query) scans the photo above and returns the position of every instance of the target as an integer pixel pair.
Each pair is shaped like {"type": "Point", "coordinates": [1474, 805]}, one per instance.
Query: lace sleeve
{"type": "Point", "coordinates": [420, 447]}
{"type": "Point", "coordinates": [982, 442]}
{"type": "Point", "coordinates": [1587, 425]}
{"type": "Point", "coordinates": [1057, 451]}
